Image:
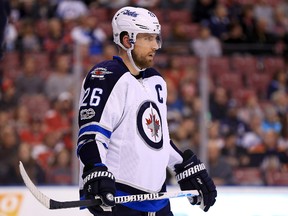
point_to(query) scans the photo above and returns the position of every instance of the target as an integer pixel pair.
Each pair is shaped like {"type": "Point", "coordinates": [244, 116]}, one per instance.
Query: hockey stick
{"type": "Point", "coordinates": [53, 204]}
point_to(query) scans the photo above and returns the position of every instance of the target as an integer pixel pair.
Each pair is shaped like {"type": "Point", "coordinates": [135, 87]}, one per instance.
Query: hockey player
{"type": "Point", "coordinates": [123, 141]}
{"type": "Point", "coordinates": [4, 6]}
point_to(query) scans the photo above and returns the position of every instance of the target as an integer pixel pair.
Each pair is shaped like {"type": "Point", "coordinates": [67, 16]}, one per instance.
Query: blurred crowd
{"type": "Point", "coordinates": [246, 46]}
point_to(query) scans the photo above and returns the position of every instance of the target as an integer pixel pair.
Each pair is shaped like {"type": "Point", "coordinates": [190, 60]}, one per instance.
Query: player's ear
{"type": "Point", "coordinates": [124, 38]}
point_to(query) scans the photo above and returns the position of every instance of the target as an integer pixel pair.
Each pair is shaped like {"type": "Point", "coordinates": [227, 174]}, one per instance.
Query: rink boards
{"type": "Point", "coordinates": [248, 201]}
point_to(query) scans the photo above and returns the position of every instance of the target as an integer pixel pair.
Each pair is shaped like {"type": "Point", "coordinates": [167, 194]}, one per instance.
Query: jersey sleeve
{"type": "Point", "coordinates": [101, 104]}
{"type": "Point", "coordinates": [175, 156]}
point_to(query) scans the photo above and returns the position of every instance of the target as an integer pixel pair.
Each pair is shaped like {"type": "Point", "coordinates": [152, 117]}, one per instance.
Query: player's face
{"type": "Point", "coordinates": [145, 49]}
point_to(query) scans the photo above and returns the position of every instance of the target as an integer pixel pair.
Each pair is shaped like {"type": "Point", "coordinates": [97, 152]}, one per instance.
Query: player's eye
{"type": "Point", "coordinates": [149, 38]}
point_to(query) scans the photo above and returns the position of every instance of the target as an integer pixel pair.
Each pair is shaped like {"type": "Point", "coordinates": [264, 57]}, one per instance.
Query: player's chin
{"type": "Point", "coordinates": [150, 61]}
{"type": "Point", "coordinates": [149, 64]}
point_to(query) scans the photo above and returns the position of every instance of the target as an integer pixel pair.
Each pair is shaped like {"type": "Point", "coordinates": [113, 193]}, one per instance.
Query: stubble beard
{"type": "Point", "coordinates": [142, 61]}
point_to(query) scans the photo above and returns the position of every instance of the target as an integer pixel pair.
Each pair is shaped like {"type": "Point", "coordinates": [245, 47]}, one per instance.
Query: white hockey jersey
{"type": "Point", "coordinates": [122, 120]}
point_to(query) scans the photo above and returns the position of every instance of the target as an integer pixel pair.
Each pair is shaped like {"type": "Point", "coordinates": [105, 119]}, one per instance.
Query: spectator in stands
{"type": "Point", "coordinates": [29, 82]}
{"type": "Point", "coordinates": [218, 103]}
{"type": "Point", "coordinates": [61, 170]}
{"type": "Point", "coordinates": [60, 118]}
{"type": "Point", "coordinates": [10, 36]}
{"type": "Point", "coordinates": [232, 123]}
{"type": "Point", "coordinates": [28, 39]}
{"type": "Point", "coordinates": [46, 152]}
{"type": "Point", "coordinates": [174, 106]}
{"type": "Point", "coordinates": [219, 22]}
{"type": "Point", "coordinates": [8, 98]}
{"type": "Point", "coordinates": [6, 118]}
{"type": "Point", "coordinates": [203, 10]}
{"type": "Point", "coordinates": [282, 11]}
{"type": "Point", "coordinates": [177, 39]}
{"type": "Point", "coordinates": [32, 9]}
{"type": "Point", "coordinates": [109, 51]}
{"type": "Point", "coordinates": [115, 4]}
{"type": "Point", "coordinates": [206, 45]}
{"type": "Point", "coordinates": [71, 9]}
{"type": "Point", "coordinates": [41, 30]}
{"type": "Point", "coordinates": [236, 155]}
{"type": "Point", "coordinates": [185, 134]}
{"type": "Point", "coordinates": [33, 134]}
{"type": "Point", "coordinates": [248, 22]}
{"type": "Point", "coordinates": [283, 139]}
{"type": "Point", "coordinates": [22, 117]}
{"type": "Point", "coordinates": [9, 145]}
{"type": "Point", "coordinates": [250, 108]}
{"type": "Point", "coordinates": [278, 83]}
{"type": "Point", "coordinates": [177, 4]}
{"type": "Point", "coordinates": [253, 137]}
{"type": "Point", "coordinates": [214, 133]}
{"type": "Point", "coordinates": [26, 9]}
{"type": "Point", "coordinates": [56, 41]}
{"type": "Point", "coordinates": [90, 34]}
{"type": "Point", "coordinates": [264, 11]}
{"type": "Point", "coordinates": [280, 102]}
{"type": "Point", "coordinates": [61, 80]}
{"type": "Point", "coordinates": [189, 92]}
{"type": "Point", "coordinates": [43, 9]}
{"type": "Point", "coordinates": [263, 40]}
{"type": "Point", "coordinates": [280, 23]}
{"type": "Point", "coordinates": [235, 10]}
{"type": "Point", "coordinates": [220, 171]}
{"type": "Point", "coordinates": [35, 172]}
{"type": "Point", "coordinates": [175, 71]}
{"type": "Point", "coordinates": [268, 155]}
{"type": "Point", "coordinates": [235, 41]}
{"type": "Point", "coordinates": [271, 120]}
{"type": "Point", "coordinates": [283, 6]}
{"type": "Point", "coordinates": [145, 3]}
{"type": "Point", "coordinates": [4, 14]}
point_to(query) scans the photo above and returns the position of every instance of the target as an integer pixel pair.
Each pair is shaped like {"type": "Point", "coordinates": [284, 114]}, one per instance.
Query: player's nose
{"type": "Point", "coordinates": [155, 45]}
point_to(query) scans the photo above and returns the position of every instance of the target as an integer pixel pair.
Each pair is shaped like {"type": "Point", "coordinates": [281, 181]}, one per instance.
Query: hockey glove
{"type": "Point", "coordinates": [191, 174]}
{"type": "Point", "coordinates": [98, 181]}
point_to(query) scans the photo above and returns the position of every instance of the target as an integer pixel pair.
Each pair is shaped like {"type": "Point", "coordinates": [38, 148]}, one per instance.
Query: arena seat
{"type": "Point", "coordinates": [276, 178]}
{"type": "Point", "coordinates": [175, 16]}
{"type": "Point", "coordinates": [219, 65]}
{"type": "Point", "coordinates": [272, 64]}
{"type": "Point", "coordinates": [230, 81]}
{"type": "Point", "coordinates": [244, 64]}
{"type": "Point", "coordinates": [248, 176]}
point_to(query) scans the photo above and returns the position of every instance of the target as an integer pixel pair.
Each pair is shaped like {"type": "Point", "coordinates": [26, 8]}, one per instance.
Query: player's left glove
{"type": "Point", "coordinates": [191, 174]}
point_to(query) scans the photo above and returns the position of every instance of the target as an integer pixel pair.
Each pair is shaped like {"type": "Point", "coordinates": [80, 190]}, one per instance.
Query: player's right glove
{"type": "Point", "coordinates": [191, 174]}
{"type": "Point", "coordinates": [98, 181]}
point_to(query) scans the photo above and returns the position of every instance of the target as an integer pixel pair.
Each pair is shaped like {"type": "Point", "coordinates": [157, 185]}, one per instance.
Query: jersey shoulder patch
{"type": "Point", "coordinates": [106, 72]}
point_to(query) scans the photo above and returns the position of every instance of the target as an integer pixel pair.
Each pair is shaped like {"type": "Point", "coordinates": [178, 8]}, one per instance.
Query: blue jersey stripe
{"type": "Point", "coordinates": [95, 129]}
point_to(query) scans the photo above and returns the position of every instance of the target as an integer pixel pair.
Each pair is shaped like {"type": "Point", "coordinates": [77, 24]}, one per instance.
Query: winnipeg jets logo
{"type": "Point", "coordinates": [150, 125]}
{"type": "Point", "coordinates": [130, 13]}
{"type": "Point", "coordinates": [153, 124]}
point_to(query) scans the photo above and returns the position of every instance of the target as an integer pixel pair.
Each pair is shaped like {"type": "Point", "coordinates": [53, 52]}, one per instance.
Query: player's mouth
{"type": "Point", "coordinates": [151, 55]}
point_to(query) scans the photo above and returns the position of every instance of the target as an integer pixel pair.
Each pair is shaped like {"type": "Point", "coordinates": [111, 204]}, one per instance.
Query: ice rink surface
{"type": "Point", "coordinates": [240, 201]}
{"type": "Point", "coordinates": [236, 201]}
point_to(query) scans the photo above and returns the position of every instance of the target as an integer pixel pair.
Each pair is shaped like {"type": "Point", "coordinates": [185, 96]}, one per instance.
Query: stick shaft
{"type": "Point", "coordinates": [54, 204]}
